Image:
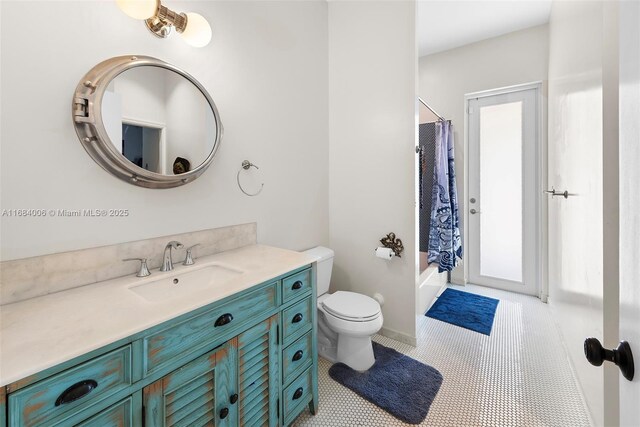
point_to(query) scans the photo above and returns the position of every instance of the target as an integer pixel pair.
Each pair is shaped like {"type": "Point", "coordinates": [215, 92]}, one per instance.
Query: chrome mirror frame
{"type": "Point", "coordinates": [87, 119]}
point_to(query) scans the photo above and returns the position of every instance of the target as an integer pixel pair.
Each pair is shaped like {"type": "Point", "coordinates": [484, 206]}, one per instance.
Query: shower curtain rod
{"type": "Point", "coordinates": [431, 109]}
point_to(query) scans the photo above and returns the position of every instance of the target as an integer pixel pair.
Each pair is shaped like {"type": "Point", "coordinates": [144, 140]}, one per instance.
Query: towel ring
{"type": "Point", "coordinates": [246, 165]}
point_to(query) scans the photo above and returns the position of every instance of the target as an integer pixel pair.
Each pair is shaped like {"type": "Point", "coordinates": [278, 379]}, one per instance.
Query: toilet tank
{"type": "Point", "coordinates": [324, 258]}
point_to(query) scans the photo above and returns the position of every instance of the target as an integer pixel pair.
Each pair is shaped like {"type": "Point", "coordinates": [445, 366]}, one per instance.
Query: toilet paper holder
{"type": "Point", "coordinates": [392, 242]}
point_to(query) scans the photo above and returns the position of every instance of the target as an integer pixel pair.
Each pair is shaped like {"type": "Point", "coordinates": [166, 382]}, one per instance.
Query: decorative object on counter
{"type": "Point", "coordinates": [113, 138]}
{"type": "Point", "coordinates": [188, 259]}
{"type": "Point", "coordinates": [390, 241]}
{"type": "Point", "coordinates": [384, 253]}
{"type": "Point", "coordinates": [144, 269]}
{"type": "Point", "coordinates": [400, 385]}
{"type": "Point", "coordinates": [246, 165]}
{"type": "Point", "coordinates": [181, 165]}
{"type": "Point", "coordinates": [159, 19]}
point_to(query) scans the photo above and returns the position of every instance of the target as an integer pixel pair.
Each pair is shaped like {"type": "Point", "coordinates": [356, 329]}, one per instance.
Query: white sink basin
{"type": "Point", "coordinates": [183, 283]}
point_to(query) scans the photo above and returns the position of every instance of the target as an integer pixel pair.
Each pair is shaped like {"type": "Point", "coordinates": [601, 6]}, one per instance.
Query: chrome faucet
{"type": "Point", "coordinates": [167, 262]}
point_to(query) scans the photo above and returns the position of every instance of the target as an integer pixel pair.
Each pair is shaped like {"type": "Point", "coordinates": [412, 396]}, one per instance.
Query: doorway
{"type": "Point", "coordinates": [503, 131]}
{"type": "Point", "coordinates": [143, 144]}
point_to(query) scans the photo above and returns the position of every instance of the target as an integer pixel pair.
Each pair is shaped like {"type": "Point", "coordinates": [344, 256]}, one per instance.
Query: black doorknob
{"type": "Point", "coordinates": [621, 356]}
{"type": "Point", "coordinates": [223, 413]}
{"type": "Point", "coordinates": [234, 398]}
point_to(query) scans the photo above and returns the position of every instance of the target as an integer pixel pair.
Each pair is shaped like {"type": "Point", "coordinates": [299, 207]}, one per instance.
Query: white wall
{"type": "Point", "coordinates": [372, 122]}
{"type": "Point", "coordinates": [266, 69]}
{"type": "Point", "coordinates": [445, 77]}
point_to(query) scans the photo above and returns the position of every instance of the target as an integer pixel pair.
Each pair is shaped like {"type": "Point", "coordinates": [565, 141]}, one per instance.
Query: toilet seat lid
{"type": "Point", "coordinates": [351, 305]}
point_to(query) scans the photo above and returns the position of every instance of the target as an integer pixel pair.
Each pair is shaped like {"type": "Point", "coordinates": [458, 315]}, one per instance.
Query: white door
{"type": "Point", "coordinates": [630, 204]}
{"type": "Point", "coordinates": [594, 235]}
{"type": "Point", "coordinates": [503, 132]}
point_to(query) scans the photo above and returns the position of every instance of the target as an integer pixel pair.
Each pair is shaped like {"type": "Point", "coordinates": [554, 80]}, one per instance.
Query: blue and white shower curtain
{"type": "Point", "coordinates": [445, 244]}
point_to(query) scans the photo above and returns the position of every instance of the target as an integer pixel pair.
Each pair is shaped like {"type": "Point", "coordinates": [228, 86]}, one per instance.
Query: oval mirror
{"type": "Point", "coordinates": [146, 121]}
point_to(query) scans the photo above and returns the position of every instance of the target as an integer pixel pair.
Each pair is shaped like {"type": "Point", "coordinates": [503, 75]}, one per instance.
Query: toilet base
{"type": "Point", "coordinates": [355, 352]}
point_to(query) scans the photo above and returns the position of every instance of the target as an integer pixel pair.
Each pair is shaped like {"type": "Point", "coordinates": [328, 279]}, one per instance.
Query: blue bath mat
{"type": "Point", "coordinates": [400, 385]}
{"type": "Point", "coordinates": [469, 311]}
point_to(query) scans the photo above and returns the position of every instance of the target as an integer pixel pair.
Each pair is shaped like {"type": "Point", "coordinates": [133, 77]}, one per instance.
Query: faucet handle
{"type": "Point", "coordinates": [188, 260]}
{"type": "Point", "coordinates": [144, 270]}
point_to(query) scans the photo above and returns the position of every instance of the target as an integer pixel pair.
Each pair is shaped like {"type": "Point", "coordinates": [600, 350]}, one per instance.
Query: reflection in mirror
{"type": "Point", "coordinates": [158, 120]}
{"type": "Point", "coordinates": [143, 146]}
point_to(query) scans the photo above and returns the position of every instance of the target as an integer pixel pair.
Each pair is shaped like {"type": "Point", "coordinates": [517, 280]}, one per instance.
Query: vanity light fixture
{"type": "Point", "coordinates": [194, 28]}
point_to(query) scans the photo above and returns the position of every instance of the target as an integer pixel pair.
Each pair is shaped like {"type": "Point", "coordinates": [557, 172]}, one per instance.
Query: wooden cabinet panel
{"type": "Point", "coordinates": [296, 285]}
{"type": "Point", "coordinates": [196, 394]}
{"type": "Point", "coordinates": [296, 320]}
{"type": "Point", "coordinates": [296, 357]}
{"type": "Point", "coordinates": [119, 415]}
{"type": "Point", "coordinates": [297, 394]}
{"type": "Point", "coordinates": [178, 340]}
{"type": "Point", "coordinates": [71, 391]}
{"type": "Point", "coordinates": [258, 374]}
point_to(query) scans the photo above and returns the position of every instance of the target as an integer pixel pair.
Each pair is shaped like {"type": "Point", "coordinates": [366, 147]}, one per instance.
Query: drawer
{"type": "Point", "coordinates": [199, 332]}
{"type": "Point", "coordinates": [299, 392]}
{"type": "Point", "coordinates": [118, 415]}
{"type": "Point", "coordinates": [296, 357]}
{"type": "Point", "coordinates": [71, 391]}
{"type": "Point", "coordinates": [296, 285]}
{"type": "Point", "coordinates": [296, 320]}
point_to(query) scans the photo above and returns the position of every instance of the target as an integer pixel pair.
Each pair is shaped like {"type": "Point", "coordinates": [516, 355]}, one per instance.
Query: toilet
{"type": "Point", "coordinates": [346, 320]}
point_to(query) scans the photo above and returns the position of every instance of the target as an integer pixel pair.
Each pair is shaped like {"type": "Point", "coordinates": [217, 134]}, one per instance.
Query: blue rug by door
{"type": "Point", "coordinates": [466, 310]}
{"type": "Point", "coordinates": [400, 385]}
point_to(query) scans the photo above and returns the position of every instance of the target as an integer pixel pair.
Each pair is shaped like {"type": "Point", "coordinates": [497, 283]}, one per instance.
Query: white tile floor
{"type": "Point", "coordinates": [518, 376]}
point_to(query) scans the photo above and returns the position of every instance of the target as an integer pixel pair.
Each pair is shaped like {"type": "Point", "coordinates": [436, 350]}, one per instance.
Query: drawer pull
{"type": "Point", "coordinates": [234, 398]}
{"type": "Point", "coordinates": [296, 285]}
{"type": "Point", "coordinates": [225, 319]}
{"type": "Point", "coordinates": [298, 393]}
{"type": "Point", "coordinates": [223, 413]}
{"type": "Point", "coordinates": [76, 391]}
{"type": "Point", "coordinates": [297, 356]}
{"type": "Point", "coordinates": [297, 318]}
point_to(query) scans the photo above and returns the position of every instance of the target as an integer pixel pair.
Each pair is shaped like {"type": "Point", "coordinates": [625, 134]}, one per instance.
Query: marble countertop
{"type": "Point", "coordinates": [42, 332]}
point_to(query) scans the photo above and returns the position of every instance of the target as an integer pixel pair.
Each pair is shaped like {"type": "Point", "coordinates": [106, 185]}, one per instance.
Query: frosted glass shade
{"type": "Point", "coordinates": [198, 31]}
{"type": "Point", "coordinates": [138, 9]}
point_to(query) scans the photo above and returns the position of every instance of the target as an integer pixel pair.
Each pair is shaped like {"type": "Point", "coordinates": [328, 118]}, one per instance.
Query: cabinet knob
{"type": "Point", "coordinates": [298, 393]}
{"type": "Point", "coordinates": [76, 391]}
{"type": "Point", "coordinates": [234, 398]}
{"type": "Point", "coordinates": [223, 320]}
{"type": "Point", "coordinates": [297, 318]}
{"type": "Point", "coordinates": [297, 356]}
{"type": "Point", "coordinates": [223, 413]}
{"type": "Point", "coordinates": [296, 285]}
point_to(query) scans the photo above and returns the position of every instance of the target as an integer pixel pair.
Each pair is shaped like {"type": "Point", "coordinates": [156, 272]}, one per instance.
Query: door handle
{"type": "Point", "coordinates": [555, 193]}
{"type": "Point", "coordinates": [621, 356]}
{"type": "Point", "coordinates": [473, 211]}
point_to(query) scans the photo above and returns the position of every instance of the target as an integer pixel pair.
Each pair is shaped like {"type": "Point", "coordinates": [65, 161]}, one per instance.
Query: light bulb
{"type": "Point", "coordinates": [139, 9]}
{"type": "Point", "coordinates": [198, 31]}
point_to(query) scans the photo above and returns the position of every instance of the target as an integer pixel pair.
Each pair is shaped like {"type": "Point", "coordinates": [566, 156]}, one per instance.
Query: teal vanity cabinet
{"type": "Point", "coordinates": [246, 360]}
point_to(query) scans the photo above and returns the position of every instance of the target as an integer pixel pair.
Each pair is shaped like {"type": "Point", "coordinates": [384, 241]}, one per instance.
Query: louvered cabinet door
{"type": "Point", "coordinates": [258, 375]}
{"type": "Point", "coordinates": [201, 393]}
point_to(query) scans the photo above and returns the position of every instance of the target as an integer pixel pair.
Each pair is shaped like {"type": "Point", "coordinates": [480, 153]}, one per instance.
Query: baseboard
{"type": "Point", "coordinates": [398, 336]}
